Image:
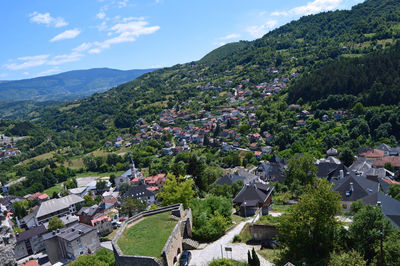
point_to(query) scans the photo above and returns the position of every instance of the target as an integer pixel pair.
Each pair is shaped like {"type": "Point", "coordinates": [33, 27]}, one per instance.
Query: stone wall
{"type": "Point", "coordinates": [261, 232]}
{"type": "Point", "coordinates": [172, 248]}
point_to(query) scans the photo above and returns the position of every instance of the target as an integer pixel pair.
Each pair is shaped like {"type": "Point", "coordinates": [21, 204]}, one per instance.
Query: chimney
{"type": "Point", "coordinates": [80, 232]}
{"type": "Point", "coordinates": [341, 174]}
{"type": "Point", "coordinates": [379, 204]}
{"type": "Point", "coordinates": [351, 186]}
{"type": "Point", "coordinates": [58, 230]}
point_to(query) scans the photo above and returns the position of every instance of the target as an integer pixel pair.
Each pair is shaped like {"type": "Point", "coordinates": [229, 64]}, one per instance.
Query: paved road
{"type": "Point", "coordinates": [213, 250]}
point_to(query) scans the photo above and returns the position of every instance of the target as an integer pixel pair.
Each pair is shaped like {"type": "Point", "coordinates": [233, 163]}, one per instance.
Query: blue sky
{"type": "Point", "coordinates": [43, 37]}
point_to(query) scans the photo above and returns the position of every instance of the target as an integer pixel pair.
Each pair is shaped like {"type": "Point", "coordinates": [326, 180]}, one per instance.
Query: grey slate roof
{"type": "Point", "coordinates": [54, 205]}
{"type": "Point", "coordinates": [35, 231]}
{"type": "Point", "coordinates": [229, 179]}
{"type": "Point", "coordinates": [390, 206]}
{"type": "Point", "coordinates": [90, 211]}
{"type": "Point", "coordinates": [362, 187]}
{"type": "Point", "coordinates": [137, 192]}
{"type": "Point", "coordinates": [253, 194]}
{"type": "Point", "coordinates": [70, 233]}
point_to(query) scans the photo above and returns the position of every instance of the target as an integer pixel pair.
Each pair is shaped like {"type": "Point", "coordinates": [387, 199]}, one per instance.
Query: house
{"type": "Point", "coordinates": [352, 188]}
{"type": "Point", "coordinates": [102, 224]}
{"type": "Point", "coordinates": [29, 242]}
{"type": "Point", "coordinates": [385, 184]}
{"type": "Point", "coordinates": [70, 243]}
{"type": "Point", "coordinates": [38, 196]}
{"type": "Point", "coordinates": [157, 180]}
{"type": "Point", "coordinates": [390, 207]}
{"type": "Point", "coordinates": [393, 160]}
{"type": "Point", "coordinates": [331, 168]}
{"type": "Point", "coordinates": [86, 214]}
{"type": "Point", "coordinates": [373, 154]}
{"type": "Point", "coordinates": [7, 238]}
{"type": "Point", "coordinates": [252, 197]}
{"type": "Point", "coordinates": [258, 154]}
{"type": "Point", "coordinates": [140, 192]}
{"type": "Point", "coordinates": [272, 170]}
{"type": "Point", "coordinates": [229, 179]}
{"type": "Point", "coordinates": [56, 208]}
{"type": "Point", "coordinates": [126, 177]}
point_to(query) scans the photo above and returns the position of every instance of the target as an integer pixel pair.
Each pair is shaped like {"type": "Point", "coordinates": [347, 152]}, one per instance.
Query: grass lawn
{"type": "Point", "coordinates": [148, 237]}
{"type": "Point", "coordinates": [57, 188]}
{"type": "Point", "coordinates": [86, 174]}
{"type": "Point", "coordinates": [280, 207]}
{"type": "Point", "coordinates": [237, 218]}
{"type": "Point", "coordinates": [271, 255]}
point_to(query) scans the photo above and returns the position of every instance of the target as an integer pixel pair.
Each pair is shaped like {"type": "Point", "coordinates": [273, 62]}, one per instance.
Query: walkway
{"type": "Point", "coordinates": [213, 250]}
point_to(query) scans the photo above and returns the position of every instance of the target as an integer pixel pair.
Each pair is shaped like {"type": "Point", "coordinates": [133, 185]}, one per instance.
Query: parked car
{"type": "Point", "coordinates": [185, 258]}
{"type": "Point", "coordinates": [122, 219]}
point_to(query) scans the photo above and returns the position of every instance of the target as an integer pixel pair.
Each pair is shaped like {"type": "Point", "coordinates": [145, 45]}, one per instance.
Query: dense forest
{"type": "Point", "coordinates": [374, 80]}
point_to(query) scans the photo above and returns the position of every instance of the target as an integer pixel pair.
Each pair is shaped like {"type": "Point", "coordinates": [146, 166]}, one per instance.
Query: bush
{"type": "Point", "coordinates": [226, 262]}
{"type": "Point", "coordinates": [237, 238]}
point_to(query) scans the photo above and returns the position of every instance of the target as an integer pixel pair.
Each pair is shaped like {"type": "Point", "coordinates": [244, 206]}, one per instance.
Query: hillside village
{"type": "Point", "coordinates": [366, 180]}
{"type": "Point", "coordinates": [279, 151]}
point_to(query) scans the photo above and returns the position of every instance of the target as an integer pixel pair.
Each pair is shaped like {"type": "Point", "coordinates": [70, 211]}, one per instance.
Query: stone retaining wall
{"type": "Point", "coordinates": [172, 248]}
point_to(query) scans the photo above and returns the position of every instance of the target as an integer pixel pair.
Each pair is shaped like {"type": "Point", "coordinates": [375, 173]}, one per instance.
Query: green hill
{"type": "Point", "coordinates": [301, 46]}
{"type": "Point", "coordinates": [67, 85]}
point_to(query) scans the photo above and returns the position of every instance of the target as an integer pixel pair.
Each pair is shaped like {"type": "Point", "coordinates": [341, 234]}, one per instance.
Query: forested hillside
{"type": "Point", "coordinates": [300, 46]}
{"type": "Point", "coordinates": [372, 80]}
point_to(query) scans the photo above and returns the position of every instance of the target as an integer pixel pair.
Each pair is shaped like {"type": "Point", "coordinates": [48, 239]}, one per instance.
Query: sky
{"type": "Point", "coordinates": [45, 37]}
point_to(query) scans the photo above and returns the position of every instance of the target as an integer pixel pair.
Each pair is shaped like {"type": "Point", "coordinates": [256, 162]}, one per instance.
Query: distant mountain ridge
{"type": "Point", "coordinates": [68, 85]}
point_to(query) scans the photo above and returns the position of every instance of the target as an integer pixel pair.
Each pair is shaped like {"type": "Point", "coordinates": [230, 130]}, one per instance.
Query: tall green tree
{"type": "Point", "coordinates": [301, 169]}
{"type": "Point", "coordinates": [55, 223]}
{"type": "Point", "coordinates": [307, 231]}
{"type": "Point", "coordinates": [177, 190]}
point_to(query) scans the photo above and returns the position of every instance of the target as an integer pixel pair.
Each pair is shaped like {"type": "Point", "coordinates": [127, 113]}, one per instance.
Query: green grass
{"type": "Point", "coordinates": [245, 235]}
{"type": "Point", "coordinates": [271, 255]}
{"type": "Point", "coordinates": [148, 237]}
{"type": "Point", "coordinates": [86, 174]}
{"type": "Point", "coordinates": [227, 262]}
{"type": "Point", "coordinates": [280, 208]}
{"type": "Point", "coordinates": [57, 188]}
{"type": "Point", "coordinates": [237, 218]}
{"type": "Point", "coordinates": [268, 220]}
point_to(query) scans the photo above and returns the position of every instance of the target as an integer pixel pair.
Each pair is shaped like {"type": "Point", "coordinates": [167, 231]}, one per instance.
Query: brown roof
{"type": "Point", "coordinates": [393, 160]}
{"type": "Point", "coordinates": [374, 153]}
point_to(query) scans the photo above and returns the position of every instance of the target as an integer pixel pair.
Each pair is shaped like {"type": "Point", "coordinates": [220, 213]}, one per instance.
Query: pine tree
{"type": "Point", "coordinates": [255, 259]}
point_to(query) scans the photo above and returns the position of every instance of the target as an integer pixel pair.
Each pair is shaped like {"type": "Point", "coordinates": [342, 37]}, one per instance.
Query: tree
{"type": "Point", "coordinates": [351, 258]}
{"type": "Point", "coordinates": [391, 251]}
{"type": "Point", "coordinates": [365, 230]}
{"type": "Point", "coordinates": [394, 191]}
{"type": "Point", "coordinates": [346, 156]}
{"type": "Point", "coordinates": [301, 168]}
{"type": "Point", "coordinates": [389, 166]}
{"type": "Point", "coordinates": [21, 208]}
{"type": "Point", "coordinates": [103, 257]}
{"type": "Point", "coordinates": [358, 108]}
{"type": "Point", "coordinates": [101, 185]}
{"type": "Point", "coordinates": [177, 190]}
{"type": "Point", "coordinates": [307, 231]}
{"type": "Point", "coordinates": [123, 188]}
{"type": "Point", "coordinates": [131, 206]}
{"type": "Point", "coordinates": [112, 180]}
{"type": "Point", "coordinates": [54, 224]}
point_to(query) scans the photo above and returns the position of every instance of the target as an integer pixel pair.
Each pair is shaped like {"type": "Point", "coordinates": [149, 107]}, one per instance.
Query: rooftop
{"type": "Point", "coordinates": [70, 233]}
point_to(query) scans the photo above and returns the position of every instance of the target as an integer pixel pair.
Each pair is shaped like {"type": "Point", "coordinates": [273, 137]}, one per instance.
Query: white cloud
{"type": "Point", "coordinates": [258, 31]}
{"type": "Point", "coordinates": [27, 62]}
{"type": "Point", "coordinates": [230, 36]}
{"type": "Point", "coordinates": [219, 43]}
{"type": "Point", "coordinates": [101, 15]}
{"type": "Point", "coordinates": [68, 34]}
{"type": "Point", "coordinates": [3, 75]}
{"type": "Point", "coordinates": [313, 7]}
{"type": "Point", "coordinates": [47, 19]}
{"type": "Point", "coordinates": [126, 32]}
{"type": "Point", "coordinates": [48, 72]}
{"type": "Point", "coordinates": [42, 60]}
{"type": "Point", "coordinates": [83, 47]}
{"type": "Point", "coordinates": [65, 58]}
{"type": "Point", "coordinates": [122, 3]}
